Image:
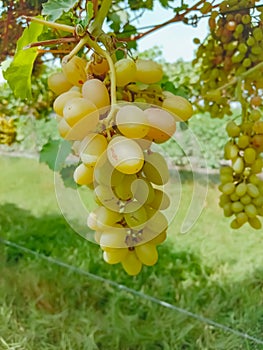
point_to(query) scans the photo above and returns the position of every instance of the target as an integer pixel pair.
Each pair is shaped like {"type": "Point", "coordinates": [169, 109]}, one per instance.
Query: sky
{"type": "Point", "coordinates": [176, 39]}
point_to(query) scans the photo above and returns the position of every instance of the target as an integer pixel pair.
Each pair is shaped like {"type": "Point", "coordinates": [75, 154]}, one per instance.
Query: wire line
{"type": "Point", "coordinates": [133, 291]}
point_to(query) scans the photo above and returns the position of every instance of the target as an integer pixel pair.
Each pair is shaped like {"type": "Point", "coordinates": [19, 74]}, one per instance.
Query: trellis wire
{"type": "Point", "coordinates": [132, 291]}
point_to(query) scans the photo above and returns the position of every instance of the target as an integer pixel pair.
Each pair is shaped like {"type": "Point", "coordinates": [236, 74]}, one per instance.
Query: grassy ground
{"type": "Point", "coordinates": [211, 271]}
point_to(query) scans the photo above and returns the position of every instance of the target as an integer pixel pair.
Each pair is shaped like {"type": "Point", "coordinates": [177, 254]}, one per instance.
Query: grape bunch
{"type": "Point", "coordinates": [7, 130]}
{"type": "Point", "coordinates": [113, 143]}
{"type": "Point", "coordinates": [241, 185]}
{"type": "Point", "coordinates": [234, 46]}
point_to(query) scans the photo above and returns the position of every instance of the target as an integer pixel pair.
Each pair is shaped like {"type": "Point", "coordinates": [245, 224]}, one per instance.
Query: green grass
{"type": "Point", "coordinates": [211, 270]}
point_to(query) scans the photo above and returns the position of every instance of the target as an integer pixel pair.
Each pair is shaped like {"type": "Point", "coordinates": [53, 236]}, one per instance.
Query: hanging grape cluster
{"type": "Point", "coordinates": [241, 185]}
{"type": "Point", "coordinates": [7, 130]}
{"type": "Point", "coordinates": [113, 142]}
{"type": "Point", "coordinates": [234, 46]}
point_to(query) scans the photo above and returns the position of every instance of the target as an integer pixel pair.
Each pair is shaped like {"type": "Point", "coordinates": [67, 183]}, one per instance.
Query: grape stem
{"type": "Point", "coordinates": [54, 25]}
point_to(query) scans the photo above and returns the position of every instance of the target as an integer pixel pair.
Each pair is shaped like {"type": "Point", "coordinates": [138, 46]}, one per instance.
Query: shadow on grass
{"type": "Point", "coordinates": [180, 277]}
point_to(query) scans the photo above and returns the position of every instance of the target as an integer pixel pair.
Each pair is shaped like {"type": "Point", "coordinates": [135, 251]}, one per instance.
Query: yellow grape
{"type": "Point", "coordinates": [258, 127]}
{"type": "Point", "coordinates": [58, 83]}
{"type": "Point", "coordinates": [125, 71]}
{"type": "Point", "coordinates": [92, 147]}
{"type": "Point", "coordinates": [228, 188]}
{"type": "Point", "coordinates": [143, 143]}
{"type": "Point", "coordinates": [243, 141]}
{"type": "Point", "coordinates": [62, 99]}
{"type": "Point", "coordinates": [180, 107]}
{"type": "Point", "coordinates": [63, 128]}
{"type": "Point", "coordinates": [256, 167]}
{"type": "Point", "coordinates": [83, 175]}
{"type": "Point", "coordinates": [135, 215]}
{"type": "Point", "coordinates": [123, 190]}
{"type": "Point", "coordinates": [235, 224]}
{"type": "Point", "coordinates": [157, 221]}
{"type": "Point", "coordinates": [162, 125]}
{"type": "Point", "coordinates": [143, 191]}
{"type": "Point", "coordinates": [95, 91]}
{"type": "Point", "coordinates": [106, 197]}
{"type": "Point", "coordinates": [147, 253]}
{"type": "Point", "coordinates": [99, 66]}
{"type": "Point", "coordinates": [115, 255]}
{"type": "Point", "coordinates": [132, 122]}
{"type": "Point", "coordinates": [131, 264]}
{"type": "Point", "coordinates": [155, 168]}
{"type": "Point", "coordinates": [106, 218]}
{"type": "Point", "coordinates": [74, 70]}
{"type": "Point", "coordinates": [230, 150]}
{"type": "Point", "coordinates": [106, 174]}
{"type": "Point", "coordinates": [114, 237]}
{"type": "Point", "coordinates": [159, 238]}
{"type": "Point", "coordinates": [79, 108]}
{"type": "Point", "coordinates": [160, 201]}
{"type": "Point", "coordinates": [148, 71]}
{"type": "Point", "coordinates": [125, 155]}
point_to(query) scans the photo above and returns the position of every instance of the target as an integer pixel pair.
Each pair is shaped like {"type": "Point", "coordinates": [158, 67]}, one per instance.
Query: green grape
{"type": "Point", "coordinates": [258, 127]}
{"type": "Point", "coordinates": [258, 201]}
{"type": "Point", "coordinates": [147, 254]}
{"type": "Point", "coordinates": [256, 167]}
{"type": "Point", "coordinates": [258, 34]}
{"type": "Point", "coordinates": [255, 223]}
{"type": "Point", "coordinates": [241, 189]}
{"type": "Point", "coordinates": [243, 141]}
{"type": "Point", "coordinates": [161, 125]}
{"type": "Point", "coordinates": [155, 168]}
{"type": "Point", "coordinates": [78, 108]}
{"type": "Point", "coordinates": [131, 264]}
{"type": "Point", "coordinates": [224, 199]}
{"type": "Point", "coordinates": [74, 70]}
{"type": "Point", "coordinates": [226, 178]}
{"type": "Point", "coordinates": [227, 208]}
{"type": "Point", "coordinates": [148, 71]}
{"type": "Point", "coordinates": [234, 197]}
{"type": "Point", "coordinates": [58, 83]}
{"type": "Point", "coordinates": [251, 210]}
{"type": "Point", "coordinates": [132, 122]}
{"type": "Point", "coordinates": [250, 155]}
{"type": "Point", "coordinates": [95, 91]}
{"type": "Point", "coordinates": [179, 107]}
{"type": "Point", "coordinates": [226, 170]}
{"type": "Point", "coordinates": [125, 155]}
{"type": "Point", "coordinates": [83, 175]}
{"type": "Point", "coordinates": [231, 150]}
{"type": "Point", "coordinates": [235, 224]}
{"type": "Point", "coordinates": [254, 179]}
{"type": "Point", "coordinates": [125, 71]}
{"type": "Point", "coordinates": [252, 190]}
{"type": "Point", "coordinates": [124, 189]}
{"type": "Point", "coordinates": [62, 99]}
{"type": "Point", "coordinates": [143, 191]}
{"type": "Point", "coordinates": [246, 199]}
{"type": "Point", "coordinates": [115, 255]}
{"type": "Point", "coordinates": [228, 188]}
{"type": "Point", "coordinates": [238, 165]}
{"type": "Point", "coordinates": [237, 207]}
{"type": "Point", "coordinates": [241, 218]}
{"type": "Point", "coordinates": [135, 215]}
{"type": "Point", "coordinates": [232, 129]}
{"type": "Point", "coordinates": [92, 147]}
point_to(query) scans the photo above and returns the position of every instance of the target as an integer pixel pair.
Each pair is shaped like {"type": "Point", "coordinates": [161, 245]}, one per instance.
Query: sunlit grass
{"type": "Point", "coordinates": [210, 270]}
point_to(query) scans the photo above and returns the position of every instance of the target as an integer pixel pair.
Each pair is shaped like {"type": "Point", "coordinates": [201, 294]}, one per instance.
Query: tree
{"type": "Point", "coordinates": [114, 105]}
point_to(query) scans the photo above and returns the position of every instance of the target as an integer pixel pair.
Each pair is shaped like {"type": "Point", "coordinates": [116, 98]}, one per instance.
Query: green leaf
{"type": "Point", "coordinates": [18, 74]}
{"type": "Point", "coordinates": [54, 9]}
{"type": "Point", "coordinates": [116, 22]}
{"type": "Point", "coordinates": [54, 153]}
{"type": "Point", "coordinates": [67, 176]}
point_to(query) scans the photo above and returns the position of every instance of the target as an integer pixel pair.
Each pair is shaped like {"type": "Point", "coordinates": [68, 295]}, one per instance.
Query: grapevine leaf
{"type": "Point", "coordinates": [54, 153]}
{"type": "Point", "coordinates": [66, 174]}
{"type": "Point", "coordinates": [116, 22]}
{"type": "Point", "coordinates": [54, 9]}
{"type": "Point", "coordinates": [18, 74]}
